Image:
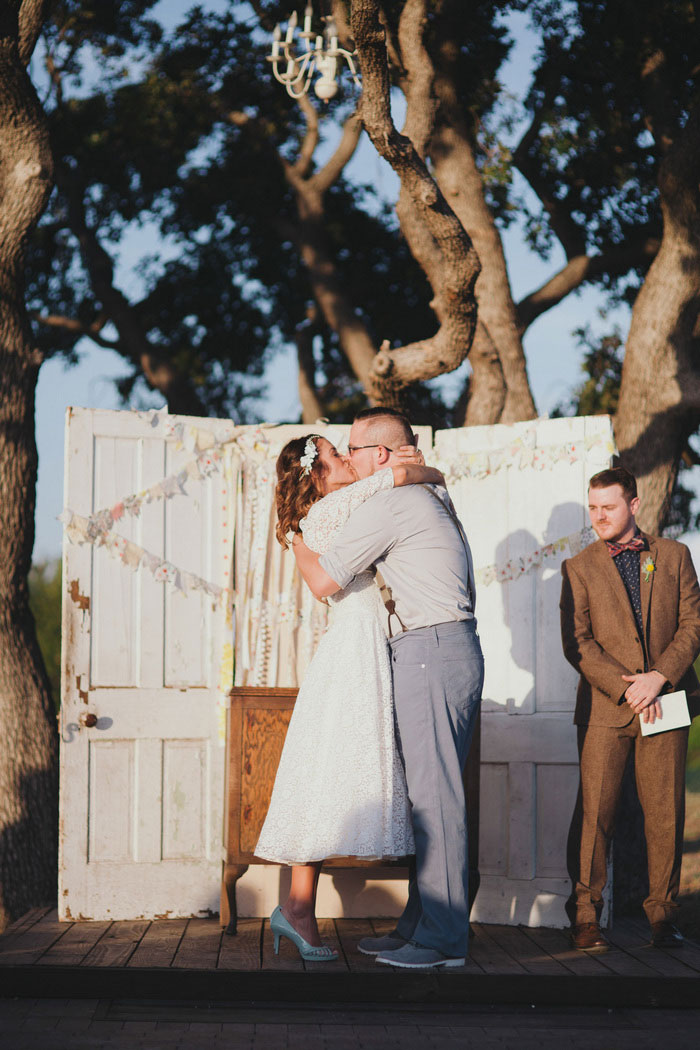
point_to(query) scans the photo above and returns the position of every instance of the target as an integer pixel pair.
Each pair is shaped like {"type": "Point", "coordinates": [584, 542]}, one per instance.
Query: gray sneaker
{"type": "Point", "coordinates": [388, 943]}
{"type": "Point", "coordinates": [415, 957]}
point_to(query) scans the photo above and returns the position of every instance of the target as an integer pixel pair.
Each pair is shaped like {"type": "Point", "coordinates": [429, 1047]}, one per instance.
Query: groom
{"type": "Point", "coordinates": [417, 543]}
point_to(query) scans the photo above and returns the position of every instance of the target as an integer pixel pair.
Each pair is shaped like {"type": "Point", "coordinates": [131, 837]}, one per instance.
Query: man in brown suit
{"type": "Point", "coordinates": [630, 621]}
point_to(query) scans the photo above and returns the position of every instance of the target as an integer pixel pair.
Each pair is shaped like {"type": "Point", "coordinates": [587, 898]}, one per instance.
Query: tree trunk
{"type": "Point", "coordinates": [660, 393]}
{"type": "Point", "coordinates": [311, 406]}
{"type": "Point", "coordinates": [326, 282]}
{"type": "Point", "coordinates": [484, 395]}
{"type": "Point", "coordinates": [334, 303]}
{"type": "Point", "coordinates": [28, 757]}
{"type": "Point", "coordinates": [499, 391]}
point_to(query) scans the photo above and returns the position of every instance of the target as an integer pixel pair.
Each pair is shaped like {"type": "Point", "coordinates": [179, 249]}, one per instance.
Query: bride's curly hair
{"type": "Point", "coordinates": [296, 492]}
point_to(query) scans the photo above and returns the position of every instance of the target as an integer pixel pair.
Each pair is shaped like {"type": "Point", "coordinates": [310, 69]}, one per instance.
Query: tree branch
{"type": "Point", "coordinates": [569, 234]}
{"type": "Point", "coordinates": [76, 327]}
{"type": "Point", "coordinates": [577, 271]}
{"type": "Point", "coordinates": [332, 170]}
{"type": "Point", "coordinates": [32, 14]}
{"type": "Point", "coordinates": [657, 100]}
{"type": "Point", "coordinates": [265, 18]}
{"type": "Point", "coordinates": [421, 103]}
{"type": "Point", "coordinates": [311, 238]}
{"type": "Point", "coordinates": [308, 147]}
{"type": "Point", "coordinates": [455, 303]}
{"type": "Point", "coordinates": [392, 49]}
{"type": "Point", "coordinates": [417, 81]}
{"type": "Point", "coordinates": [311, 406]}
{"type": "Point", "coordinates": [342, 25]}
{"type": "Point", "coordinates": [157, 369]}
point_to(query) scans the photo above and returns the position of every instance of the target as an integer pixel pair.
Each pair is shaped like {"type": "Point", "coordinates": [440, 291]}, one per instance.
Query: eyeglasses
{"type": "Point", "coordinates": [356, 448]}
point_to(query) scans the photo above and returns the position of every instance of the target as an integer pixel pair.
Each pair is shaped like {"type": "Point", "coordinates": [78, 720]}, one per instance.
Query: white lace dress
{"type": "Point", "coordinates": [340, 789]}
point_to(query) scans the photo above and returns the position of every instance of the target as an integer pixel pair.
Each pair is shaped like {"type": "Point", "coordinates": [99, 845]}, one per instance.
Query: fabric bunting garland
{"type": "Point", "coordinates": [517, 567]}
{"type": "Point", "coordinates": [207, 461]}
{"type": "Point", "coordinates": [522, 453]}
{"type": "Point", "coordinates": [83, 530]}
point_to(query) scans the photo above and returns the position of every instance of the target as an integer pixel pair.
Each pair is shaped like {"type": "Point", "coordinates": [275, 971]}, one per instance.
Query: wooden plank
{"type": "Point", "coordinates": [383, 926]}
{"type": "Point", "coordinates": [558, 944]}
{"type": "Point", "coordinates": [523, 950]}
{"type": "Point", "coordinates": [242, 951]}
{"type": "Point", "coordinates": [623, 964]}
{"type": "Point", "coordinates": [689, 953]}
{"type": "Point", "coordinates": [117, 945]}
{"type": "Point", "coordinates": [159, 943]}
{"type": "Point", "coordinates": [486, 953]}
{"type": "Point", "coordinates": [472, 963]}
{"type": "Point", "coordinates": [329, 936]}
{"type": "Point", "coordinates": [23, 923]}
{"type": "Point", "coordinates": [288, 958]}
{"type": "Point", "coordinates": [634, 938]}
{"type": "Point", "coordinates": [199, 947]}
{"type": "Point", "coordinates": [30, 943]}
{"type": "Point", "coordinates": [75, 944]}
{"type": "Point", "coordinates": [350, 931]}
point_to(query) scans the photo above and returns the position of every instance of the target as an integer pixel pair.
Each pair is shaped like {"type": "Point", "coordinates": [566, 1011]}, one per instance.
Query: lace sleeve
{"type": "Point", "coordinates": [330, 513]}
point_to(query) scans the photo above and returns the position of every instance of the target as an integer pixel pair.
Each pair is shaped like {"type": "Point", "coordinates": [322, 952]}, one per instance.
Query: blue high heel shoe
{"type": "Point", "coordinates": [282, 928]}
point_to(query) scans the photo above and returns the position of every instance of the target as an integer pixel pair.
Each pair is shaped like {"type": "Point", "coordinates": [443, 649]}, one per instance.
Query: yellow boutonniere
{"type": "Point", "coordinates": [647, 568]}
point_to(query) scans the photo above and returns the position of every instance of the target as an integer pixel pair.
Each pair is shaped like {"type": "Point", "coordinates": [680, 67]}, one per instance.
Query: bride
{"type": "Point", "coordinates": [340, 788]}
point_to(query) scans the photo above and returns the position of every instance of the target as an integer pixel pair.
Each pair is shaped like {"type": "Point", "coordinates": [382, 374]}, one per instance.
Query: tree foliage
{"type": "Point", "coordinates": [195, 227]}
{"type": "Point", "coordinates": [45, 595]}
{"type": "Point", "coordinates": [179, 147]}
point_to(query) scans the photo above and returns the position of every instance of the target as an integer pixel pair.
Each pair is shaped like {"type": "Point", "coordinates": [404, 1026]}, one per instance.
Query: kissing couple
{"type": "Point", "coordinates": [373, 759]}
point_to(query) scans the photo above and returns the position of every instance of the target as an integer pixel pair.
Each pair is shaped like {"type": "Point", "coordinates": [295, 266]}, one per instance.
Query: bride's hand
{"type": "Point", "coordinates": [410, 454]}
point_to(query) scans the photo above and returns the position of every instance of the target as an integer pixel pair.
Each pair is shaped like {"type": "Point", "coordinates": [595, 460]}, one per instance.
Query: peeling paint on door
{"type": "Point", "coordinates": [81, 600]}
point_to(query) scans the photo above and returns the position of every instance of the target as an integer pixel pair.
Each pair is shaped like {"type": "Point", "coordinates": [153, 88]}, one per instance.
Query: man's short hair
{"type": "Point", "coordinates": [390, 423]}
{"type": "Point", "coordinates": [615, 476]}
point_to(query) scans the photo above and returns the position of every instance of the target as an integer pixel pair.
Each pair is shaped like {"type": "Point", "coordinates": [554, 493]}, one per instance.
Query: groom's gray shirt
{"type": "Point", "coordinates": [415, 543]}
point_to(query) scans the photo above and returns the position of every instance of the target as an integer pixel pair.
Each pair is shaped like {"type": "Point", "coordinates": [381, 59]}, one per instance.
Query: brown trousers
{"type": "Point", "coordinates": [659, 765]}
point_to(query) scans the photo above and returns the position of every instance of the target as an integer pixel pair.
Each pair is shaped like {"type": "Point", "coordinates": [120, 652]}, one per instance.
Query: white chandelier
{"type": "Point", "coordinates": [321, 56]}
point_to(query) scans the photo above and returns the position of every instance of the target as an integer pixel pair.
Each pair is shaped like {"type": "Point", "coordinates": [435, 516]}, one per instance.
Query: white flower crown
{"type": "Point", "coordinates": [310, 453]}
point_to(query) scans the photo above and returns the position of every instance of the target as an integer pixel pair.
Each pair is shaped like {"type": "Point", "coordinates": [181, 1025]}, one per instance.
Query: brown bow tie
{"type": "Point", "coordinates": [637, 543]}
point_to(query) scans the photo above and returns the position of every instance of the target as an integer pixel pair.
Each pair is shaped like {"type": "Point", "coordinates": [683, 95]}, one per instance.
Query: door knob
{"type": "Point", "coordinates": [89, 719]}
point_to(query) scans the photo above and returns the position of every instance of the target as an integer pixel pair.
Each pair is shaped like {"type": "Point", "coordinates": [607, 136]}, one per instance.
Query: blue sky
{"type": "Point", "coordinates": [554, 361]}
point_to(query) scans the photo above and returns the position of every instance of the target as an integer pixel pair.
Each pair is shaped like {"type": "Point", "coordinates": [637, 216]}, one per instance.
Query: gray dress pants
{"type": "Point", "coordinates": [438, 675]}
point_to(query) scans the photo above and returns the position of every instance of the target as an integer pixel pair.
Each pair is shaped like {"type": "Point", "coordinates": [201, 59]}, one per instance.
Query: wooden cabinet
{"type": "Point", "coordinates": [256, 728]}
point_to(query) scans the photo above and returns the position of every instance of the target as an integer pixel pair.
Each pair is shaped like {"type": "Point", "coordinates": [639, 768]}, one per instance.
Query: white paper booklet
{"type": "Point", "coordinates": [674, 708]}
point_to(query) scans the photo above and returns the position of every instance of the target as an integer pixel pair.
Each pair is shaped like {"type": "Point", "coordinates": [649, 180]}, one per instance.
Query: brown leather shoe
{"type": "Point", "coordinates": [666, 935]}
{"type": "Point", "coordinates": [588, 937]}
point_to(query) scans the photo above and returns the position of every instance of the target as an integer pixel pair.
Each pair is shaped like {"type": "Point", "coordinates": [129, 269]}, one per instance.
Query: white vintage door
{"type": "Point", "coordinates": [517, 489]}
{"type": "Point", "coordinates": [142, 788]}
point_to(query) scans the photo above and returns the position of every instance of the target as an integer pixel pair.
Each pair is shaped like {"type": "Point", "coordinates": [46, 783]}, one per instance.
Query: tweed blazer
{"type": "Point", "coordinates": [600, 635]}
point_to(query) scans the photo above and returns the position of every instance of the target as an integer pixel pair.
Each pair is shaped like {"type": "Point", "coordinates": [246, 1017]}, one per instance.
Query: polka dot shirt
{"type": "Point", "coordinates": [627, 564]}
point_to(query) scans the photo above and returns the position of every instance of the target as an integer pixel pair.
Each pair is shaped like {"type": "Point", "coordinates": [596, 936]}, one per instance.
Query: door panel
{"type": "Point", "coordinates": [142, 788]}
{"type": "Point", "coordinates": [531, 492]}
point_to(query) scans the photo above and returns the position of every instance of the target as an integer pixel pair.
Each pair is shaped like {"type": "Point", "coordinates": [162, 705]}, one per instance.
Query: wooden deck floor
{"type": "Point", "coordinates": [40, 955]}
